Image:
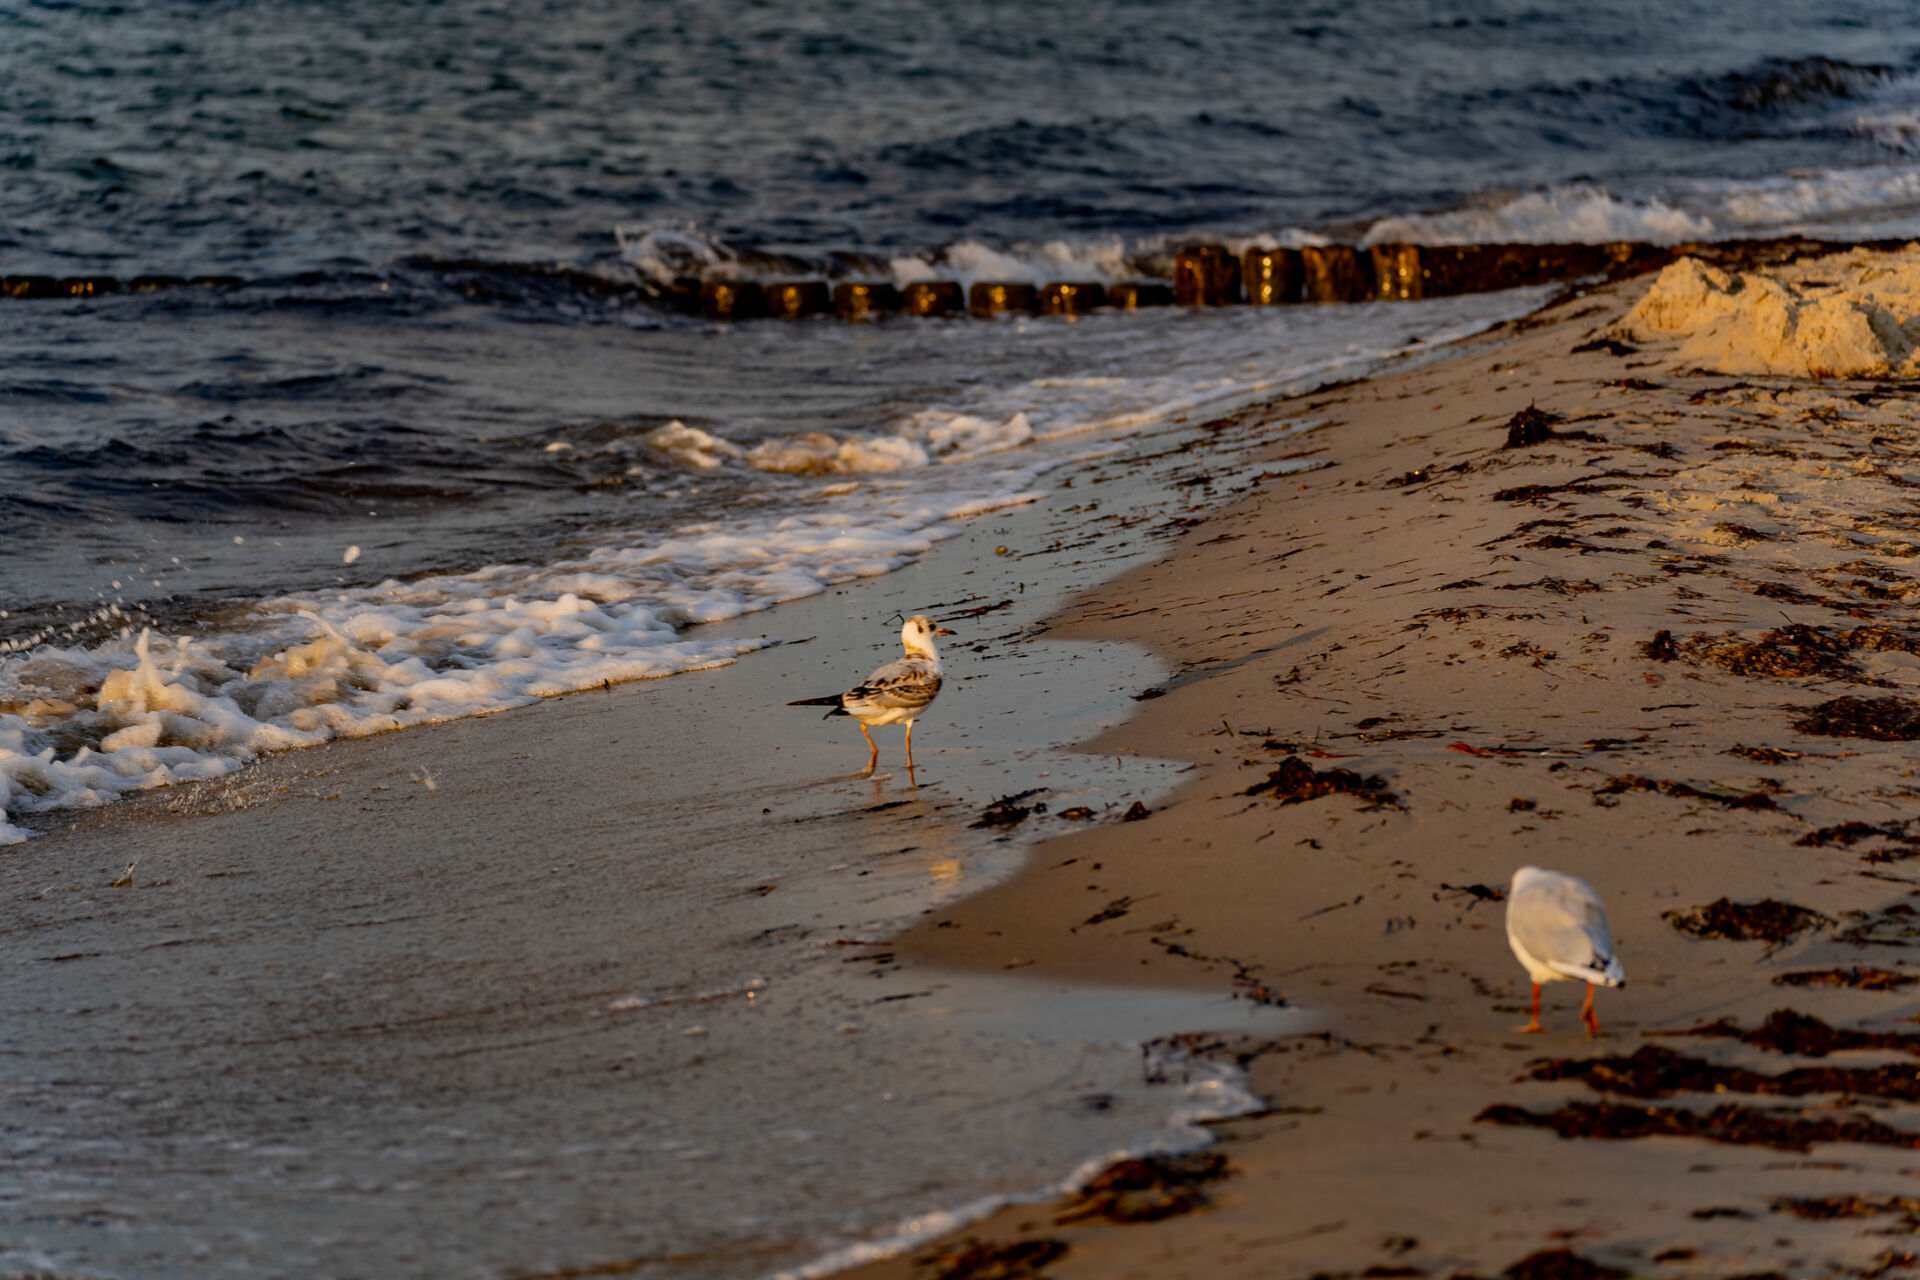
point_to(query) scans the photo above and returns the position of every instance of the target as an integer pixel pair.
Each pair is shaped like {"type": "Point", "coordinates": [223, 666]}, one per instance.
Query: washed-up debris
{"type": "Point", "coordinates": [1741, 534]}
{"type": "Point", "coordinates": [1561, 542]}
{"type": "Point", "coordinates": [1763, 755]}
{"type": "Point", "coordinates": [1612, 346]}
{"type": "Point", "coordinates": [1079, 813]}
{"type": "Point", "coordinates": [1559, 586]}
{"type": "Point", "coordinates": [1148, 1189]}
{"type": "Point", "coordinates": [1478, 892]}
{"type": "Point", "coordinates": [1655, 1072]}
{"type": "Point", "coordinates": [1745, 1126]}
{"type": "Point", "coordinates": [1897, 925]}
{"type": "Point", "coordinates": [1135, 812]}
{"type": "Point", "coordinates": [1790, 652]}
{"type": "Point", "coordinates": [1659, 649]}
{"type": "Point", "coordinates": [1790, 1031]}
{"type": "Point", "coordinates": [1531, 426]}
{"type": "Point", "coordinates": [1667, 786]}
{"type": "Point", "coordinates": [1007, 811]}
{"type": "Point", "coordinates": [1112, 911]}
{"type": "Point", "coordinates": [1147, 695]}
{"type": "Point", "coordinates": [1848, 834]}
{"type": "Point", "coordinates": [1859, 977]}
{"type": "Point", "coordinates": [1787, 593]}
{"type": "Point", "coordinates": [1883, 638]}
{"type": "Point", "coordinates": [1888, 719]}
{"type": "Point", "coordinates": [974, 1259]}
{"type": "Point", "coordinates": [1535, 492]}
{"type": "Point", "coordinates": [1296, 781]}
{"type": "Point", "coordinates": [1834, 1208]}
{"type": "Point", "coordinates": [1767, 920]}
{"type": "Point", "coordinates": [1558, 1264]}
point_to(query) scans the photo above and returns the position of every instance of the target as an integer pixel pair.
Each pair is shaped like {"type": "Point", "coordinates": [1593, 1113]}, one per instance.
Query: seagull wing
{"type": "Point", "coordinates": [1562, 924]}
{"type": "Point", "coordinates": [905, 684]}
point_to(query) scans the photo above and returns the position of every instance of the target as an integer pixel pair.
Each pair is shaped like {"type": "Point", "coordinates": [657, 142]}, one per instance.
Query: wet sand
{"type": "Point", "coordinates": [1626, 652]}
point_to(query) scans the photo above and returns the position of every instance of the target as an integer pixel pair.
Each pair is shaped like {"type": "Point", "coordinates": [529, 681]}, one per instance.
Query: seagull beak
{"type": "Point", "coordinates": [943, 631]}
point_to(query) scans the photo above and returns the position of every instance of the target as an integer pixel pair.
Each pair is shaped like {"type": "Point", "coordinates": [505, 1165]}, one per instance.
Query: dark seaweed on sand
{"type": "Point", "coordinates": [1148, 1189]}
{"type": "Point", "coordinates": [1655, 1072]}
{"type": "Point", "coordinates": [1296, 781]}
{"type": "Point", "coordinates": [1833, 1208]}
{"type": "Point", "coordinates": [974, 1259]}
{"type": "Point", "coordinates": [1888, 719]}
{"type": "Point", "coordinates": [1746, 1126]}
{"type": "Point", "coordinates": [1859, 977]}
{"type": "Point", "coordinates": [1790, 1031]}
{"type": "Point", "coordinates": [1848, 834]}
{"type": "Point", "coordinates": [1733, 800]}
{"type": "Point", "coordinates": [1767, 920]}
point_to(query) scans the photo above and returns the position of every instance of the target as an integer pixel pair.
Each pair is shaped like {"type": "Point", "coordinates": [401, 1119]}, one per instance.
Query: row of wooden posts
{"type": "Point", "coordinates": [1203, 276]}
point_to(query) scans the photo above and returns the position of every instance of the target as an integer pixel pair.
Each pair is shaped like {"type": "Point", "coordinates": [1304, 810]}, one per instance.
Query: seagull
{"type": "Point", "coordinates": [896, 693]}
{"type": "Point", "coordinates": [1557, 926]}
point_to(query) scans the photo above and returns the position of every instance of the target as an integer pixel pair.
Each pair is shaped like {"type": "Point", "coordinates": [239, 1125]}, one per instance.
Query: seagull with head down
{"type": "Point", "coordinates": [1557, 927]}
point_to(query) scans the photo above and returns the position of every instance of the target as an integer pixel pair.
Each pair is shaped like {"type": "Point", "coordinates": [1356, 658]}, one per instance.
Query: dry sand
{"type": "Point", "coordinates": [1599, 653]}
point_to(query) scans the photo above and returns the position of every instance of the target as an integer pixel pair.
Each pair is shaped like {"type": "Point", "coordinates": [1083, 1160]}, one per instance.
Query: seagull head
{"type": "Point", "coordinates": [917, 636]}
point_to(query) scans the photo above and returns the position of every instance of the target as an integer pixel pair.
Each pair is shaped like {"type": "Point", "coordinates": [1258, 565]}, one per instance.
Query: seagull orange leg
{"type": "Point", "coordinates": [909, 746]}
{"type": "Point", "coordinates": [1534, 1025]}
{"type": "Point", "coordinates": [873, 748]}
{"type": "Point", "coordinates": [1588, 1016]}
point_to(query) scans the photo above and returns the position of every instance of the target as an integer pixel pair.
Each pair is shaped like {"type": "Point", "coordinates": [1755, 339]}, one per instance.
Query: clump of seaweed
{"type": "Point", "coordinates": [1790, 652]}
{"type": "Point", "coordinates": [1741, 534]}
{"type": "Point", "coordinates": [1790, 1031]}
{"type": "Point", "coordinates": [1531, 426]}
{"type": "Point", "coordinates": [1007, 811]}
{"type": "Point", "coordinates": [1848, 834]}
{"type": "Point", "coordinates": [1833, 1208]}
{"type": "Point", "coordinates": [1767, 920]}
{"type": "Point", "coordinates": [1659, 649]}
{"type": "Point", "coordinates": [974, 1259]}
{"type": "Point", "coordinates": [1896, 925]}
{"type": "Point", "coordinates": [1655, 1072]}
{"type": "Point", "coordinates": [1560, 1264]}
{"type": "Point", "coordinates": [1888, 719]}
{"type": "Point", "coordinates": [1859, 977]}
{"type": "Point", "coordinates": [1296, 781]}
{"type": "Point", "coordinates": [1667, 786]}
{"type": "Point", "coordinates": [1148, 1189]}
{"type": "Point", "coordinates": [1745, 1126]}
{"type": "Point", "coordinates": [1762, 755]}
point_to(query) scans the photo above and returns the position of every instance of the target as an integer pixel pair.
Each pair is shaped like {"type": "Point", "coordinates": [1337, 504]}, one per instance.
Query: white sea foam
{"type": "Point", "coordinates": [1573, 214]}
{"type": "Point", "coordinates": [1822, 200]}
{"type": "Point", "coordinates": [80, 727]}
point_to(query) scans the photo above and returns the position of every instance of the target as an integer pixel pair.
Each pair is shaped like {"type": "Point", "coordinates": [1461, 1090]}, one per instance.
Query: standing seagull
{"type": "Point", "coordinates": [895, 694]}
{"type": "Point", "coordinates": [1558, 927]}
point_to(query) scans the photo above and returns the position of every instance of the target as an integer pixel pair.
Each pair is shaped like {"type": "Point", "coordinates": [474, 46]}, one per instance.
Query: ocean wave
{"type": "Point", "coordinates": [1785, 83]}
{"type": "Point", "coordinates": [1819, 202]}
{"type": "Point", "coordinates": [1573, 214]}
{"type": "Point", "coordinates": [82, 726]}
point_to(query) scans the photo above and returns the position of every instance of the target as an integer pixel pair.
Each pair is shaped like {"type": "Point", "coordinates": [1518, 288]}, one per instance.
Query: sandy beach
{"type": "Point", "coordinates": [1642, 649]}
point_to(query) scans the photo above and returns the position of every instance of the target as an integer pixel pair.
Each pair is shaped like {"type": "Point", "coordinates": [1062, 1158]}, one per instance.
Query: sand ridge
{"type": "Point", "coordinates": [1635, 646]}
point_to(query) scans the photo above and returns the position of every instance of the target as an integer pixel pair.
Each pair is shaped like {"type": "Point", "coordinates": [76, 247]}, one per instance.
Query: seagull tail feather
{"type": "Point", "coordinates": [834, 700]}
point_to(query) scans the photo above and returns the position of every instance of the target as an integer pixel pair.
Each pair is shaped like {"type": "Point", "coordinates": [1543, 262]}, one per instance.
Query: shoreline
{"type": "Point", "coordinates": [1571, 654]}
{"type": "Point", "coordinates": [587, 934]}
